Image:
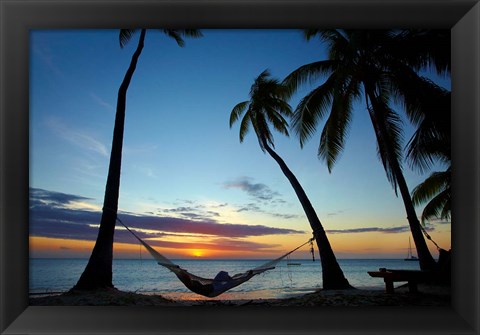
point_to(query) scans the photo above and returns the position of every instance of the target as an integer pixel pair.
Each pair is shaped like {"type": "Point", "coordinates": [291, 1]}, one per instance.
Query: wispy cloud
{"type": "Point", "coordinates": [147, 171]}
{"type": "Point", "coordinates": [191, 210]}
{"type": "Point", "coordinates": [256, 190]}
{"type": "Point", "coordinates": [101, 102]}
{"type": "Point", "coordinates": [139, 149]}
{"type": "Point", "coordinates": [335, 213]}
{"type": "Point", "coordinates": [46, 56]}
{"type": "Point", "coordinates": [285, 216]}
{"type": "Point", "coordinates": [253, 207]}
{"type": "Point", "coordinates": [76, 137]}
{"type": "Point", "coordinates": [54, 199]}
{"type": "Point", "coordinates": [390, 230]}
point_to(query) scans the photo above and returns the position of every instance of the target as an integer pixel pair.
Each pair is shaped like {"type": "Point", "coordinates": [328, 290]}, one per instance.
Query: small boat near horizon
{"type": "Point", "coordinates": [291, 263]}
{"type": "Point", "coordinates": [410, 256]}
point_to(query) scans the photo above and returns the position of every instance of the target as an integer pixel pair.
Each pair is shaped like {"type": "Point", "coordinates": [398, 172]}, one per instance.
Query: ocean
{"type": "Point", "coordinates": [147, 277]}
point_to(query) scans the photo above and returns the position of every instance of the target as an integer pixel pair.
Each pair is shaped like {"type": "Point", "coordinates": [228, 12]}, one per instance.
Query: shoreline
{"type": "Point", "coordinates": [428, 295]}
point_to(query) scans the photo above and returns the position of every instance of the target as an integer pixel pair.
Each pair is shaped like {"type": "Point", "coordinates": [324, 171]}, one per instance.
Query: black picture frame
{"type": "Point", "coordinates": [18, 17]}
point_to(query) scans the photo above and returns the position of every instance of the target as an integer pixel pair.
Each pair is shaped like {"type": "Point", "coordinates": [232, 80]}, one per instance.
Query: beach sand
{"type": "Point", "coordinates": [428, 295]}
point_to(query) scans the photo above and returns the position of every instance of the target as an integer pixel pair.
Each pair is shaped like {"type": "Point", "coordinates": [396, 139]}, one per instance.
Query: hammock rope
{"type": "Point", "coordinates": [222, 281]}
{"type": "Point", "coordinates": [429, 237]}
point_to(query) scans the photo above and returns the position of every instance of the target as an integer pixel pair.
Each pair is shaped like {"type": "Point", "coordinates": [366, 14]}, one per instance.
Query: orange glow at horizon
{"type": "Point", "coordinates": [345, 245]}
{"type": "Point", "coordinates": [198, 253]}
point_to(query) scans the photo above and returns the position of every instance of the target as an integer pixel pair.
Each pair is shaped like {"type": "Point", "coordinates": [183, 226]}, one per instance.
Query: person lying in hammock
{"type": "Point", "coordinates": [211, 288]}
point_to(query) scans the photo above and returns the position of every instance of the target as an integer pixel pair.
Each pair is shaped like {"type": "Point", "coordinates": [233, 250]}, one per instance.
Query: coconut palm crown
{"type": "Point", "coordinates": [266, 106]}
{"type": "Point", "coordinates": [372, 66]}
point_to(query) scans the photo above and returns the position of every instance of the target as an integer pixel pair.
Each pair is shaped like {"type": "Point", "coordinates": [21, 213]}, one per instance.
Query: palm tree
{"type": "Point", "coordinates": [98, 272]}
{"type": "Point", "coordinates": [373, 66]}
{"type": "Point", "coordinates": [266, 106]}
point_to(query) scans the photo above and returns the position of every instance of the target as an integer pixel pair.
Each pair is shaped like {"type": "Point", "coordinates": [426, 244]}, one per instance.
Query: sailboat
{"type": "Point", "coordinates": [410, 256]}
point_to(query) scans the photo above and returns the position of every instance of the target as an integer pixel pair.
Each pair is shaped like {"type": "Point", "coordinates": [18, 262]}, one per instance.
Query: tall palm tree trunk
{"type": "Point", "coordinates": [98, 272]}
{"type": "Point", "coordinates": [425, 257]}
{"type": "Point", "coordinates": [332, 274]}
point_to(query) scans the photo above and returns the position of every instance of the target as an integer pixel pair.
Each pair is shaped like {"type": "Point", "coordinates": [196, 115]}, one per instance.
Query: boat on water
{"type": "Point", "coordinates": [410, 256]}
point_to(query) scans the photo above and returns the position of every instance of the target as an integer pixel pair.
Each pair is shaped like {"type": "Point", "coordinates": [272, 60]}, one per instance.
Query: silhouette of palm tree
{"type": "Point", "coordinates": [98, 272]}
{"type": "Point", "coordinates": [267, 105]}
{"type": "Point", "coordinates": [378, 66]}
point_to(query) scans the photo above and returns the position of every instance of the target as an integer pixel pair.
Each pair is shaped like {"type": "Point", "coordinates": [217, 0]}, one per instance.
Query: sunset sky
{"type": "Point", "coordinates": [188, 185]}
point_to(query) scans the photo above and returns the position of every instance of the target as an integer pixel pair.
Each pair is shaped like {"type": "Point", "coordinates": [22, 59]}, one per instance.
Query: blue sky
{"type": "Point", "coordinates": [181, 160]}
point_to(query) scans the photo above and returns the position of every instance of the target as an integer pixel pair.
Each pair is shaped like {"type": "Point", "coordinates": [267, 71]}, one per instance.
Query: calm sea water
{"type": "Point", "coordinates": [145, 276]}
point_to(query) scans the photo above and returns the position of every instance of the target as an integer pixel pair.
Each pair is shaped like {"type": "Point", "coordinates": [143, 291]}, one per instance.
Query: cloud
{"type": "Point", "coordinates": [46, 56]}
{"type": "Point", "coordinates": [335, 213]}
{"type": "Point", "coordinates": [259, 191]}
{"type": "Point", "coordinates": [285, 216]}
{"type": "Point", "coordinates": [147, 171]}
{"type": "Point", "coordinates": [196, 212]}
{"type": "Point", "coordinates": [101, 102]}
{"type": "Point", "coordinates": [391, 230]}
{"type": "Point", "coordinates": [252, 207]}
{"type": "Point", "coordinates": [263, 195]}
{"type": "Point", "coordinates": [223, 244]}
{"type": "Point", "coordinates": [55, 219]}
{"type": "Point", "coordinates": [42, 197]}
{"type": "Point", "coordinates": [78, 138]}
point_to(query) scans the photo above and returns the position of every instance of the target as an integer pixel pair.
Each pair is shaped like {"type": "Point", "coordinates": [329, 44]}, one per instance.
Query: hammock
{"type": "Point", "coordinates": [210, 287]}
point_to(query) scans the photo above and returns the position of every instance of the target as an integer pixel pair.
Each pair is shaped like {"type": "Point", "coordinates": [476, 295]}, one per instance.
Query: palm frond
{"type": "Point", "coordinates": [277, 120]}
{"type": "Point", "coordinates": [309, 33]}
{"type": "Point", "coordinates": [432, 140]}
{"type": "Point", "coordinates": [436, 189]}
{"type": "Point", "coordinates": [417, 94]}
{"type": "Point", "coordinates": [437, 182]}
{"type": "Point", "coordinates": [282, 107]}
{"type": "Point", "coordinates": [332, 35]}
{"type": "Point", "coordinates": [312, 108]}
{"type": "Point", "coordinates": [237, 111]}
{"type": "Point", "coordinates": [446, 210]}
{"type": "Point", "coordinates": [179, 34]}
{"type": "Point", "coordinates": [438, 207]}
{"type": "Point", "coordinates": [336, 41]}
{"type": "Point", "coordinates": [388, 131]}
{"type": "Point", "coordinates": [335, 131]}
{"type": "Point", "coordinates": [423, 49]}
{"type": "Point", "coordinates": [428, 146]}
{"type": "Point", "coordinates": [125, 36]}
{"type": "Point", "coordinates": [176, 34]}
{"type": "Point", "coordinates": [309, 73]}
{"type": "Point", "coordinates": [244, 126]}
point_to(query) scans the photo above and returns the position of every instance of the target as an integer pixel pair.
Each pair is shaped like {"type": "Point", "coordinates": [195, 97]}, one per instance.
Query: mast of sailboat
{"type": "Point", "coordinates": [410, 256]}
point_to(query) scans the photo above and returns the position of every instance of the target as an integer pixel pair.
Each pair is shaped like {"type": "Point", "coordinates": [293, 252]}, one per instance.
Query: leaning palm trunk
{"type": "Point", "coordinates": [425, 257]}
{"type": "Point", "coordinates": [332, 274]}
{"type": "Point", "coordinates": [98, 273]}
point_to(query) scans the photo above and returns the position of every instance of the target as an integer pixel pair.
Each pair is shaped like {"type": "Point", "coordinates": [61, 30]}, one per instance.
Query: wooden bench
{"type": "Point", "coordinates": [413, 277]}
